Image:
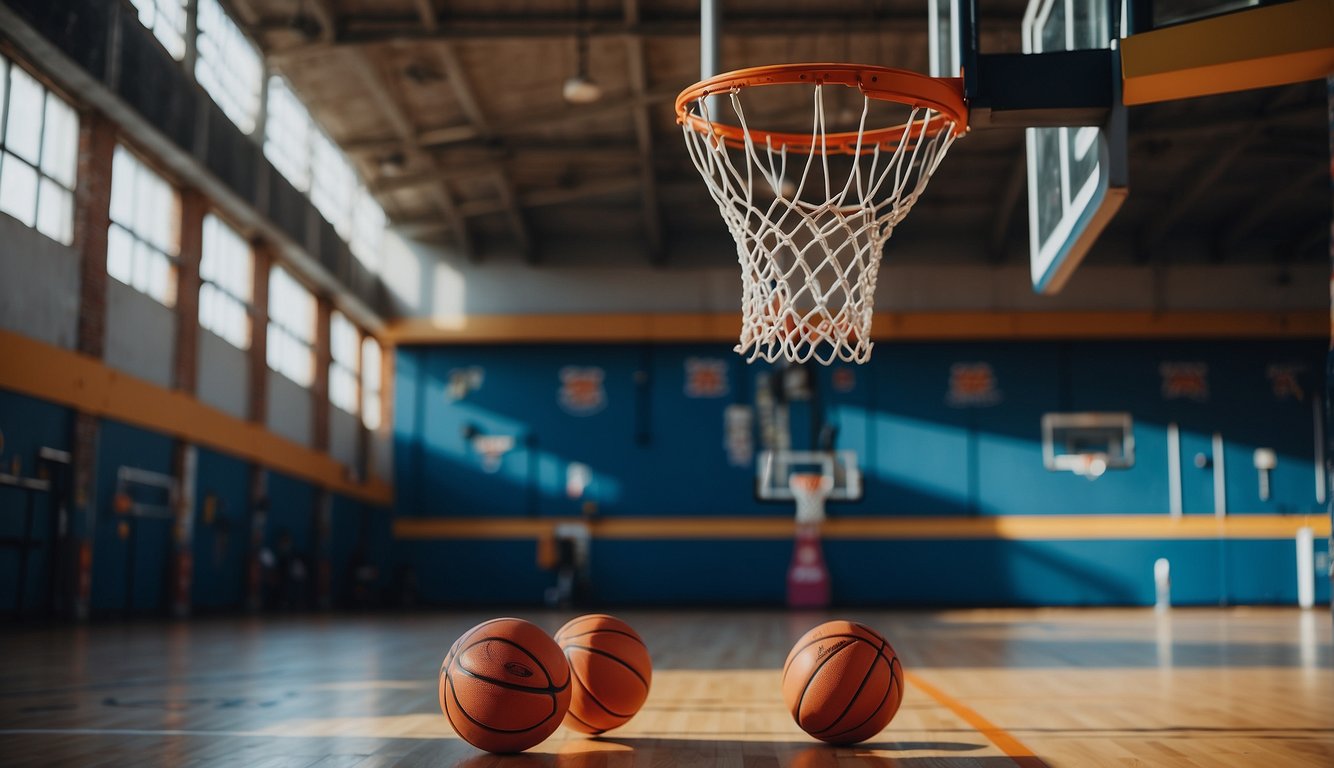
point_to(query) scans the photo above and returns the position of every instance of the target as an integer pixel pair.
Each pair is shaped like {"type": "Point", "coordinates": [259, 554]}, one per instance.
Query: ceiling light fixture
{"type": "Point", "coordinates": [581, 89]}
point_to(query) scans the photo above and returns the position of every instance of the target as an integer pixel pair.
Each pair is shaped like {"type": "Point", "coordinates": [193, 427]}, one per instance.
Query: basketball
{"type": "Point", "coordinates": [610, 670]}
{"type": "Point", "coordinates": [504, 685]}
{"type": "Point", "coordinates": [842, 682]}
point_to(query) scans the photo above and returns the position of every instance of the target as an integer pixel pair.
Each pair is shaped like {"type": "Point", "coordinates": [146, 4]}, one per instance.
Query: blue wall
{"type": "Point", "coordinates": [28, 425]}
{"type": "Point", "coordinates": [655, 452]}
{"type": "Point", "coordinates": [132, 554]}
{"type": "Point", "coordinates": [222, 531]}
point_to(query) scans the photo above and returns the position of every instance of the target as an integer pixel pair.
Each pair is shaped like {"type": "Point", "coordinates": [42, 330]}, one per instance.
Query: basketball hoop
{"type": "Point", "coordinates": [492, 449]}
{"type": "Point", "coordinates": [809, 490]}
{"type": "Point", "coordinates": [1090, 465]}
{"type": "Point", "coordinates": [809, 257]}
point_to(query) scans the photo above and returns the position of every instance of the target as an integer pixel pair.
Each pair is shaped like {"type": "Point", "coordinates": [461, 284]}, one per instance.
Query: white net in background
{"type": "Point", "coordinates": [810, 245]}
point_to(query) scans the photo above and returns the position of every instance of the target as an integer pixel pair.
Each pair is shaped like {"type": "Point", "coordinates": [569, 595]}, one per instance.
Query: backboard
{"type": "Point", "coordinates": [1076, 175]}
{"type": "Point", "coordinates": [774, 470]}
{"type": "Point", "coordinates": [1087, 444]}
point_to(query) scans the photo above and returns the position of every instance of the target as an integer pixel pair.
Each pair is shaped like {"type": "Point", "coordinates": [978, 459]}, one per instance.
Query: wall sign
{"type": "Point", "coordinates": [1185, 381]}
{"type": "Point", "coordinates": [973, 385]}
{"type": "Point", "coordinates": [581, 391]}
{"type": "Point", "coordinates": [706, 377]}
{"type": "Point", "coordinates": [1285, 381]}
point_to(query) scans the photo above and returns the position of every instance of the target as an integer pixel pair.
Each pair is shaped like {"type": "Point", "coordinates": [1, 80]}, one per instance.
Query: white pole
{"type": "Point", "coordinates": [1162, 584]}
{"type": "Point", "coordinates": [1174, 469]}
{"type": "Point", "coordinates": [710, 48]}
{"type": "Point", "coordinates": [1318, 417]}
{"type": "Point", "coordinates": [1220, 478]}
{"type": "Point", "coordinates": [1305, 567]}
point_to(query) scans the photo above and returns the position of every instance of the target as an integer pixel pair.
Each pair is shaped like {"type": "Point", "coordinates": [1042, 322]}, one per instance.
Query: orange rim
{"type": "Point", "coordinates": [943, 95]}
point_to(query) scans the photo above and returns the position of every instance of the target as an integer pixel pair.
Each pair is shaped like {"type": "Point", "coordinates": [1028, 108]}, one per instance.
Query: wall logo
{"type": "Point", "coordinates": [464, 381]}
{"type": "Point", "coordinates": [844, 379]}
{"type": "Point", "coordinates": [581, 392]}
{"type": "Point", "coordinates": [1286, 382]}
{"type": "Point", "coordinates": [706, 377]}
{"type": "Point", "coordinates": [972, 385]}
{"type": "Point", "coordinates": [1185, 381]}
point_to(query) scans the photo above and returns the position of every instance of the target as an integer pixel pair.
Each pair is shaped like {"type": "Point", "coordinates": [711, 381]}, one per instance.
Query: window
{"type": "Point", "coordinates": [39, 145]}
{"type": "Point", "coordinates": [228, 66]}
{"type": "Point", "coordinates": [345, 351]}
{"type": "Point", "coordinates": [291, 328]}
{"type": "Point", "coordinates": [226, 271]}
{"type": "Point", "coordinates": [370, 383]}
{"type": "Point", "coordinates": [144, 239]}
{"type": "Point", "coordinates": [287, 134]}
{"type": "Point", "coordinates": [332, 183]}
{"type": "Point", "coordinates": [167, 20]}
{"type": "Point", "coordinates": [315, 165]}
{"type": "Point", "coordinates": [367, 230]}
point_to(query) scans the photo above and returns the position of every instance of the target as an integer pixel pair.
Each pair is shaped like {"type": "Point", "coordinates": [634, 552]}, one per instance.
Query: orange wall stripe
{"type": "Point", "coordinates": [1272, 45]}
{"type": "Point", "coordinates": [887, 326]}
{"type": "Point", "coordinates": [1017, 527]}
{"type": "Point", "coordinates": [58, 375]}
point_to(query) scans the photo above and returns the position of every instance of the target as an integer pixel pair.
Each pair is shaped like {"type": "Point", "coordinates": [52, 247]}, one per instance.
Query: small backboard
{"type": "Point", "coordinates": [1077, 176]}
{"type": "Point", "coordinates": [774, 470]}
{"type": "Point", "coordinates": [1088, 444]}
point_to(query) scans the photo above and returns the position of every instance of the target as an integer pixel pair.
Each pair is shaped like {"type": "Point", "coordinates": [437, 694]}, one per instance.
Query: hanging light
{"type": "Point", "coordinates": [581, 89]}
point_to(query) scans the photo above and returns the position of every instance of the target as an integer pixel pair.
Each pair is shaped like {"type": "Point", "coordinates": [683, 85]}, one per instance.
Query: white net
{"type": "Point", "coordinates": [810, 244]}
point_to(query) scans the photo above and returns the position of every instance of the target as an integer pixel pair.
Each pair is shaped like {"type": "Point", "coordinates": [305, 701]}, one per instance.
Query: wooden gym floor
{"type": "Point", "coordinates": [1235, 687]}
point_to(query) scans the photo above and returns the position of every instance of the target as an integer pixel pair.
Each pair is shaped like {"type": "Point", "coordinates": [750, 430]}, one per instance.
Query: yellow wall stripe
{"type": "Point", "coordinates": [887, 326]}
{"type": "Point", "coordinates": [58, 375]}
{"type": "Point", "coordinates": [1271, 45]}
{"type": "Point", "coordinates": [1017, 527]}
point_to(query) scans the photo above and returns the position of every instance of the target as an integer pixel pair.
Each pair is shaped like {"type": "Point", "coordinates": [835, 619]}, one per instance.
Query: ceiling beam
{"type": "Point", "coordinates": [472, 110]}
{"type": "Point", "coordinates": [652, 212]}
{"type": "Point", "coordinates": [513, 125]}
{"type": "Point", "coordinates": [1204, 176]}
{"type": "Point", "coordinates": [402, 125]}
{"type": "Point", "coordinates": [426, 11]}
{"type": "Point", "coordinates": [1008, 200]}
{"type": "Point", "coordinates": [1246, 220]}
{"type": "Point", "coordinates": [539, 198]}
{"type": "Point", "coordinates": [357, 29]}
{"type": "Point", "coordinates": [327, 18]}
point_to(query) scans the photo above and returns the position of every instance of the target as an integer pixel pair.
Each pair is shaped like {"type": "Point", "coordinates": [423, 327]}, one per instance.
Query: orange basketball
{"type": "Point", "coordinates": [610, 669]}
{"type": "Point", "coordinates": [842, 682]}
{"type": "Point", "coordinates": [504, 685]}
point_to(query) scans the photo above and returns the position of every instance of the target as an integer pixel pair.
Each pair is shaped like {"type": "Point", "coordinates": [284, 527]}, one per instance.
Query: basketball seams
{"type": "Point", "coordinates": [592, 729]}
{"type": "Point", "coordinates": [792, 655]}
{"type": "Point", "coordinates": [595, 699]}
{"type": "Point", "coordinates": [555, 708]}
{"type": "Point", "coordinates": [551, 681]}
{"type": "Point", "coordinates": [561, 637]}
{"type": "Point", "coordinates": [616, 659]}
{"type": "Point", "coordinates": [857, 694]}
{"type": "Point", "coordinates": [506, 684]}
{"type": "Point", "coordinates": [796, 711]}
{"type": "Point", "coordinates": [893, 681]}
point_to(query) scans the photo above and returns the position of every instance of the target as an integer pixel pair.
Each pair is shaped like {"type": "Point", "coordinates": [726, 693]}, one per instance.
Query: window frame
{"type": "Point", "coordinates": [247, 303]}
{"type": "Point", "coordinates": [352, 369]}
{"type": "Point", "coordinates": [173, 259]}
{"type": "Point", "coordinates": [8, 65]}
{"type": "Point", "coordinates": [276, 325]}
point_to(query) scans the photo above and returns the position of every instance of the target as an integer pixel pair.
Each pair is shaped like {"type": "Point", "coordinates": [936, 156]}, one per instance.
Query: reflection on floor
{"type": "Point", "coordinates": [1060, 687]}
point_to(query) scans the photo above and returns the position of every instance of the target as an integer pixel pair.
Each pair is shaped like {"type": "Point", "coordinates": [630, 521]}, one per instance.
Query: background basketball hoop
{"type": "Point", "coordinates": [492, 449]}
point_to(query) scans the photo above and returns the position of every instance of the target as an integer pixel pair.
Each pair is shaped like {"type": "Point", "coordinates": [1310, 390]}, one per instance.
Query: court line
{"type": "Point", "coordinates": [1012, 747]}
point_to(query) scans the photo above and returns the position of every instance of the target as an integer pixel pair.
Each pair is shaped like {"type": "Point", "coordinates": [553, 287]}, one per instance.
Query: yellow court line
{"type": "Point", "coordinates": [1012, 747]}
